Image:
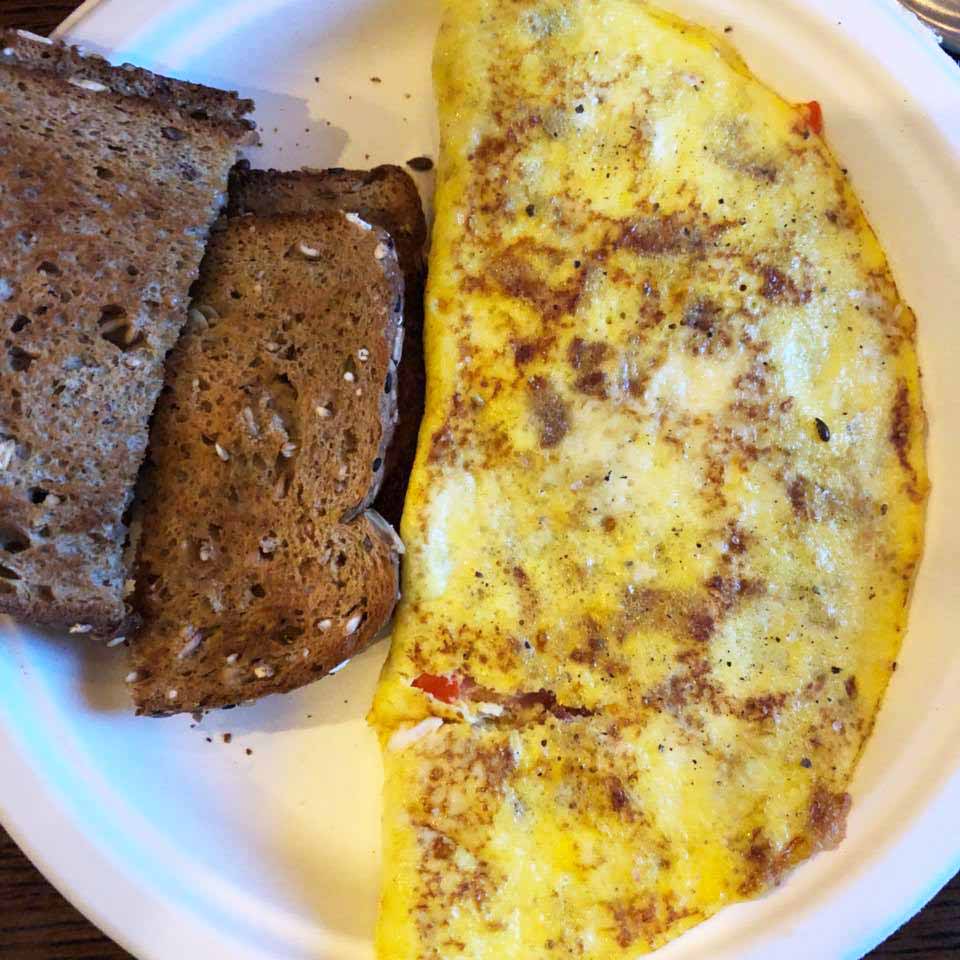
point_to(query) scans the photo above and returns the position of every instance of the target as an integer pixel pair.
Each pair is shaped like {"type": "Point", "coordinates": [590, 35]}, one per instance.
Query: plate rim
{"type": "Point", "coordinates": [27, 830]}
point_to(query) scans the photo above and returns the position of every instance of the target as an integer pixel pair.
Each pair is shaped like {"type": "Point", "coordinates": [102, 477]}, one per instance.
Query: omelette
{"type": "Point", "coordinates": [668, 499]}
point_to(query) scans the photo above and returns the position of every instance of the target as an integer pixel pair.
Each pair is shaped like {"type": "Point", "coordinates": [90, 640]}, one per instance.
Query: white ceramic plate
{"type": "Point", "coordinates": [179, 847]}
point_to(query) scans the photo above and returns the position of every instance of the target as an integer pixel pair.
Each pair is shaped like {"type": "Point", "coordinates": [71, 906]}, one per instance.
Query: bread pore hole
{"type": "Point", "coordinates": [38, 495]}
{"type": "Point", "coordinates": [13, 539]}
{"type": "Point", "coordinates": [20, 359]}
{"type": "Point", "coordinates": [116, 328]}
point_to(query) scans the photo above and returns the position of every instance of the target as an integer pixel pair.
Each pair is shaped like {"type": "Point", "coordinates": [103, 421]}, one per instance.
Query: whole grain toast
{"type": "Point", "coordinates": [109, 180]}
{"type": "Point", "coordinates": [260, 568]}
{"type": "Point", "coordinates": [385, 196]}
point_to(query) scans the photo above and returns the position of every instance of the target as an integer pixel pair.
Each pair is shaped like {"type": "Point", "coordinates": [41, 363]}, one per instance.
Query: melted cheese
{"type": "Point", "coordinates": [669, 608]}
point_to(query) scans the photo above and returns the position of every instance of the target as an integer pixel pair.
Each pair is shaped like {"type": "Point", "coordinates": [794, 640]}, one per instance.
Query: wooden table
{"type": "Point", "coordinates": [36, 923]}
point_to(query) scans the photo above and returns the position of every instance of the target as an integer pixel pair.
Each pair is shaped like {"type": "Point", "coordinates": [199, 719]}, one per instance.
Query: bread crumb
{"type": "Point", "coordinates": [375, 80]}
{"type": "Point", "coordinates": [227, 737]}
{"type": "Point", "coordinates": [248, 752]}
{"type": "Point", "coordinates": [223, 454]}
{"type": "Point", "coordinates": [420, 164]}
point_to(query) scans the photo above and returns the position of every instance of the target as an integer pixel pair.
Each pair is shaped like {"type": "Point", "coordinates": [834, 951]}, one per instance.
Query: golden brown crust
{"type": "Point", "coordinates": [111, 177]}
{"type": "Point", "coordinates": [259, 570]}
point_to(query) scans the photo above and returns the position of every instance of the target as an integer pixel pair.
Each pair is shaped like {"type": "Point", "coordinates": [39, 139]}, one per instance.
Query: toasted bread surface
{"type": "Point", "coordinates": [260, 568]}
{"type": "Point", "coordinates": [109, 180]}
{"type": "Point", "coordinates": [385, 196]}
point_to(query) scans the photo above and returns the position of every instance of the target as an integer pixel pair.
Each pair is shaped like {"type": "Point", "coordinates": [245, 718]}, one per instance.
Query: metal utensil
{"type": "Point", "coordinates": [943, 16]}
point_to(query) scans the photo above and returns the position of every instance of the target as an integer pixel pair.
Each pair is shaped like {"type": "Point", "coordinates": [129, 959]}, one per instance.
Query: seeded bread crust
{"type": "Point", "coordinates": [109, 180]}
{"type": "Point", "coordinates": [222, 108]}
{"type": "Point", "coordinates": [388, 197]}
{"type": "Point", "coordinates": [260, 568]}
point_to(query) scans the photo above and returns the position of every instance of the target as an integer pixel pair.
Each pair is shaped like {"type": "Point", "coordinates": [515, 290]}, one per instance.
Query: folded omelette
{"type": "Point", "coordinates": [668, 500]}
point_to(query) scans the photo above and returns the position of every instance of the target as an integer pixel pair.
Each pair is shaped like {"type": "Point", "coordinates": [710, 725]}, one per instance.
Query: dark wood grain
{"type": "Point", "coordinates": [38, 17]}
{"type": "Point", "coordinates": [36, 923]}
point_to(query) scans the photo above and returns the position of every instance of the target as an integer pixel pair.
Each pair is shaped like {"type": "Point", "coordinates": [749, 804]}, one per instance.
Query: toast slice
{"type": "Point", "coordinates": [260, 567]}
{"type": "Point", "coordinates": [385, 196]}
{"type": "Point", "coordinates": [109, 181]}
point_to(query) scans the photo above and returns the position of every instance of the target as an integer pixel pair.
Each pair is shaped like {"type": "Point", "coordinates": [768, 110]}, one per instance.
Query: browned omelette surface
{"type": "Point", "coordinates": [668, 501]}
